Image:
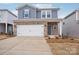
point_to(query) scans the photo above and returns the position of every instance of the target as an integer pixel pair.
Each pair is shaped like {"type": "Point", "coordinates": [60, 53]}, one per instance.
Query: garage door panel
{"type": "Point", "coordinates": [30, 30]}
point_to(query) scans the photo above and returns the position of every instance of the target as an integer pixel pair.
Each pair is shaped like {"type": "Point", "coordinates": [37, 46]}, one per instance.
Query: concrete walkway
{"type": "Point", "coordinates": [24, 46]}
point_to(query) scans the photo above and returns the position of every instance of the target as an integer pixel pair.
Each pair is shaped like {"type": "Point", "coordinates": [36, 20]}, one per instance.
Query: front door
{"type": "Point", "coordinates": [49, 30]}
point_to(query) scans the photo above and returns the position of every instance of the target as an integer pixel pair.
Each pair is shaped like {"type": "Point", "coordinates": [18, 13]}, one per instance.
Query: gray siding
{"type": "Point", "coordinates": [54, 14]}
{"type": "Point", "coordinates": [71, 27]}
{"type": "Point", "coordinates": [3, 15]}
{"type": "Point", "coordinates": [6, 17]}
{"type": "Point", "coordinates": [2, 27]}
{"type": "Point", "coordinates": [77, 14]}
{"type": "Point", "coordinates": [32, 12]}
{"type": "Point", "coordinates": [38, 14]}
{"type": "Point", "coordinates": [10, 18]}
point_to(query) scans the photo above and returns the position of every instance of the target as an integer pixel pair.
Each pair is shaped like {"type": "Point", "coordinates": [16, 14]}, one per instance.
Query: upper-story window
{"type": "Point", "coordinates": [46, 14]}
{"type": "Point", "coordinates": [26, 13]}
{"type": "Point", "coordinates": [43, 14]}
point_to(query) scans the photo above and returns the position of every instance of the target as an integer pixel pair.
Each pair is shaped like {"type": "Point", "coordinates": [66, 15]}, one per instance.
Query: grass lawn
{"type": "Point", "coordinates": [64, 46]}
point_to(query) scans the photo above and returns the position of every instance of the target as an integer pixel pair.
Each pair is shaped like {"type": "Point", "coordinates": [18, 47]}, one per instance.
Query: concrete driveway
{"type": "Point", "coordinates": [24, 46]}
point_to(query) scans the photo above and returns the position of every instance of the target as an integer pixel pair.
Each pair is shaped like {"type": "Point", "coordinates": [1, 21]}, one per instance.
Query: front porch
{"type": "Point", "coordinates": [53, 29]}
{"type": "Point", "coordinates": [6, 28]}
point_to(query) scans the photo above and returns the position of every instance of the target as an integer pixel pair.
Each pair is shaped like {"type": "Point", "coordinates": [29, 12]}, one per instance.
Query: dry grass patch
{"type": "Point", "coordinates": [62, 41]}
{"type": "Point", "coordinates": [64, 46]}
{"type": "Point", "coordinates": [3, 36]}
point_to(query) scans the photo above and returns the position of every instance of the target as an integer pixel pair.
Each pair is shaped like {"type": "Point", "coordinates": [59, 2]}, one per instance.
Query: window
{"type": "Point", "coordinates": [43, 14]}
{"type": "Point", "coordinates": [26, 13]}
{"type": "Point", "coordinates": [46, 14]}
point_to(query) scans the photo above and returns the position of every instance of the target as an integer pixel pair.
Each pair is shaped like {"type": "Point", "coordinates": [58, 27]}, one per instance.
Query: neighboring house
{"type": "Point", "coordinates": [34, 21]}
{"type": "Point", "coordinates": [71, 24]}
{"type": "Point", "coordinates": [6, 21]}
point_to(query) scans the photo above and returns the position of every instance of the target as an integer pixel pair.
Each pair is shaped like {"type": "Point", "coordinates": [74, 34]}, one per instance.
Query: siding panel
{"type": "Point", "coordinates": [54, 14]}
{"type": "Point", "coordinates": [35, 13]}
{"type": "Point", "coordinates": [71, 28]}
{"type": "Point", "coordinates": [38, 14]}
{"type": "Point", "coordinates": [32, 13]}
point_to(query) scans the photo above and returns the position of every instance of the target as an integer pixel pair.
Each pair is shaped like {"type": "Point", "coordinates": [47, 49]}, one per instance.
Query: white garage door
{"type": "Point", "coordinates": [30, 30]}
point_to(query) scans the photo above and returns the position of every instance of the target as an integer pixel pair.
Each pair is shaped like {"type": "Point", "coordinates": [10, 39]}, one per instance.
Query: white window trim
{"type": "Point", "coordinates": [50, 14]}
{"type": "Point", "coordinates": [46, 14]}
{"type": "Point", "coordinates": [42, 13]}
{"type": "Point", "coordinates": [24, 13]}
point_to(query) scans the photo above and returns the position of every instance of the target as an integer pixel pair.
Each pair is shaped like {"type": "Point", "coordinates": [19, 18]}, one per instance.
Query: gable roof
{"type": "Point", "coordinates": [8, 11]}
{"type": "Point", "coordinates": [71, 14]}
{"type": "Point", "coordinates": [24, 5]}
{"type": "Point", "coordinates": [48, 8]}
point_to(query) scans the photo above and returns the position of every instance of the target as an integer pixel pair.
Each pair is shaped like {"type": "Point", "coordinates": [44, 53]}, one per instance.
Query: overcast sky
{"type": "Point", "coordinates": [65, 8]}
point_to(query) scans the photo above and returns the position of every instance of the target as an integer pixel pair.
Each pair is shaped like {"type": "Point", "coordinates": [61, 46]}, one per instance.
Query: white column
{"type": "Point", "coordinates": [61, 24]}
{"type": "Point", "coordinates": [6, 28]}
{"type": "Point", "coordinates": [77, 15]}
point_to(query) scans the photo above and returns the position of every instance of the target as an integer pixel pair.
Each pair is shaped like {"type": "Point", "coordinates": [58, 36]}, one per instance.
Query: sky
{"type": "Point", "coordinates": [65, 8]}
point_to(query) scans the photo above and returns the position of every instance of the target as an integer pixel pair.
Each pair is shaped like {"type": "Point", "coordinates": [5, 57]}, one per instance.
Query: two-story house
{"type": "Point", "coordinates": [6, 21]}
{"type": "Point", "coordinates": [71, 24]}
{"type": "Point", "coordinates": [34, 21]}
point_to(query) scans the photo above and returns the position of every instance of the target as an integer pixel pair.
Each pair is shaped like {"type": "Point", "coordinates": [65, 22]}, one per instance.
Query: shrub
{"type": "Point", "coordinates": [71, 39]}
